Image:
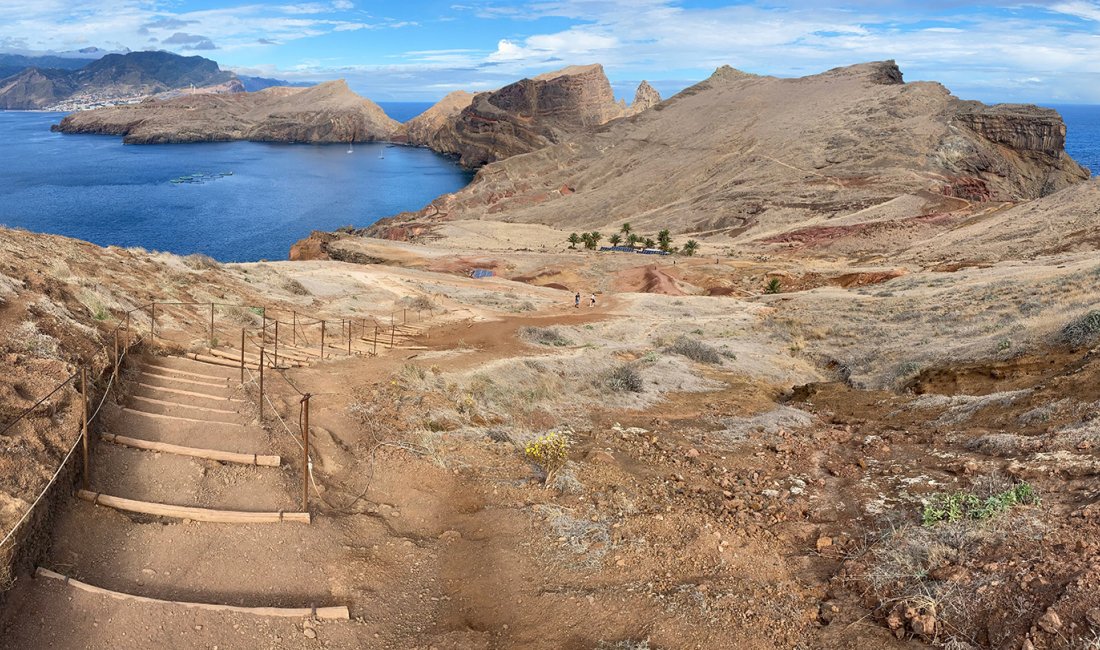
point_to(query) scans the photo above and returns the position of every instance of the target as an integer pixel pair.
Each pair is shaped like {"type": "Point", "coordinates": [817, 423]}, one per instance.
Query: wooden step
{"type": "Point", "coordinates": [339, 613]}
{"type": "Point", "coordinates": [195, 452]}
{"type": "Point", "coordinates": [190, 512]}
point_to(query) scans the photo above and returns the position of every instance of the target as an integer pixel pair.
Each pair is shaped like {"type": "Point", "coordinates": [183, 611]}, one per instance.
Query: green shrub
{"type": "Point", "coordinates": [957, 506]}
{"type": "Point", "coordinates": [774, 286]}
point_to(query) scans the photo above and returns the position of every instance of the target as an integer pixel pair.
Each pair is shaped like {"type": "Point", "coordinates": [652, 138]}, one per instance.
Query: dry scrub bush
{"type": "Point", "coordinates": [695, 350]}
{"type": "Point", "coordinates": [544, 336]}
{"type": "Point", "coordinates": [290, 285]}
{"type": "Point", "coordinates": [26, 338]}
{"type": "Point", "coordinates": [1081, 332]}
{"type": "Point", "coordinates": [622, 379]}
{"type": "Point", "coordinates": [200, 262]}
{"type": "Point", "coordinates": [550, 452]}
{"type": "Point", "coordinates": [422, 303]}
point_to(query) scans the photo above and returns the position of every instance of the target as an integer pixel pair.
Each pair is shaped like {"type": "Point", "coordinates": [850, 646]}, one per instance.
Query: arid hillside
{"type": "Point", "coordinates": [744, 158]}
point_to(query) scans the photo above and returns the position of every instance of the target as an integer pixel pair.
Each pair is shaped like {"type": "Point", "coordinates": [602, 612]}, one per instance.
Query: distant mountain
{"type": "Point", "coordinates": [12, 64]}
{"type": "Point", "coordinates": [252, 84]}
{"type": "Point", "coordinates": [111, 79]}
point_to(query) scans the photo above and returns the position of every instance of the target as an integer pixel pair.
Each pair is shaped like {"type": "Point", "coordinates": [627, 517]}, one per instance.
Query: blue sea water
{"type": "Point", "coordinates": [1082, 134]}
{"type": "Point", "coordinates": [95, 188]}
{"type": "Point", "coordinates": [404, 111]}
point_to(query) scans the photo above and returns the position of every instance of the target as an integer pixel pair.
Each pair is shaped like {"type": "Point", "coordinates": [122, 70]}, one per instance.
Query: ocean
{"type": "Point", "coordinates": [95, 188]}
{"type": "Point", "coordinates": [1082, 134]}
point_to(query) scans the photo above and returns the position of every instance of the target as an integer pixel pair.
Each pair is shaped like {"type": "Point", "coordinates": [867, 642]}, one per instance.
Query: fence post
{"type": "Point", "coordinates": [84, 423]}
{"type": "Point", "coordinates": [242, 355]}
{"type": "Point", "coordinates": [294, 329]}
{"type": "Point", "coordinates": [349, 337]}
{"type": "Point", "coordinates": [393, 330]}
{"type": "Point", "coordinates": [276, 344]}
{"type": "Point", "coordinates": [211, 324]}
{"type": "Point", "coordinates": [153, 322]}
{"type": "Point", "coordinates": [305, 452]}
{"type": "Point", "coordinates": [114, 372]}
{"type": "Point", "coordinates": [322, 339]}
{"type": "Point", "coordinates": [376, 339]}
{"type": "Point", "coordinates": [263, 332]}
{"type": "Point", "coordinates": [127, 330]}
{"type": "Point", "coordinates": [404, 315]}
{"type": "Point", "coordinates": [261, 383]}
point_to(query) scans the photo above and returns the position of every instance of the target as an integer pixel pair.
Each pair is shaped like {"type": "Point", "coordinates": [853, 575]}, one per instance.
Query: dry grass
{"type": "Point", "coordinates": [200, 262]}
{"type": "Point", "coordinates": [26, 338]}
{"type": "Point", "coordinates": [290, 285]}
{"type": "Point", "coordinates": [696, 350]}
{"type": "Point", "coordinates": [544, 336]}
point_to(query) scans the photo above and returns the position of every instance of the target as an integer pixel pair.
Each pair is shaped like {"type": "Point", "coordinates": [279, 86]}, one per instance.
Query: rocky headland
{"type": "Point", "coordinates": [326, 113]}
{"type": "Point", "coordinates": [747, 158]}
{"type": "Point", "coordinates": [532, 113]}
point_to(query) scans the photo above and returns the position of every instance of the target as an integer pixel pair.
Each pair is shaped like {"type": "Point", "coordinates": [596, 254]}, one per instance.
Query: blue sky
{"type": "Point", "coordinates": [1041, 51]}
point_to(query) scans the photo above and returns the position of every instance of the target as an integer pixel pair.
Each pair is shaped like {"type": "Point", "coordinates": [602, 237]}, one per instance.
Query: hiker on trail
{"type": "Point", "coordinates": [577, 300]}
{"type": "Point", "coordinates": [593, 300]}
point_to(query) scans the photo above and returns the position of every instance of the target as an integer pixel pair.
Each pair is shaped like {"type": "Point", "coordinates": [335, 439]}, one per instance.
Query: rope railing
{"type": "Point", "coordinates": [123, 330]}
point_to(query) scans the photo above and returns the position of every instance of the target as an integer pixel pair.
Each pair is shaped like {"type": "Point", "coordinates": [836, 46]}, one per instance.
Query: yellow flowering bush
{"type": "Point", "coordinates": [548, 452]}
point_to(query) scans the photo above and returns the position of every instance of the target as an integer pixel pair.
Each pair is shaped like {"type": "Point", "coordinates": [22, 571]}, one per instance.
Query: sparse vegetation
{"type": "Point", "coordinates": [957, 506]}
{"type": "Point", "coordinates": [544, 336]}
{"type": "Point", "coordinates": [297, 288]}
{"type": "Point", "coordinates": [573, 240]}
{"type": "Point", "coordinates": [773, 286]}
{"type": "Point", "coordinates": [26, 338]}
{"type": "Point", "coordinates": [690, 248]}
{"type": "Point", "coordinates": [200, 262]}
{"type": "Point", "coordinates": [550, 452]}
{"type": "Point", "coordinates": [623, 378]}
{"type": "Point", "coordinates": [695, 350]}
{"type": "Point", "coordinates": [1083, 331]}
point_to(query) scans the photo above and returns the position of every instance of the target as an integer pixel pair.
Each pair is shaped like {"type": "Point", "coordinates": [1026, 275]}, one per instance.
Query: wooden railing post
{"type": "Point", "coordinates": [127, 330]}
{"type": "Point", "coordinates": [294, 328]}
{"type": "Point", "coordinates": [261, 383]}
{"type": "Point", "coordinates": [393, 331]}
{"type": "Point", "coordinates": [84, 423]}
{"type": "Point", "coordinates": [376, 339]}
{"type": "Point", "coordinates": [242, 355]}
{"type": "Point", "coordinates": [153, 322]}
{"type": "Point", "coordinates": [349, 337]}
{"type": "Point", "coordinates": [276, 344]}
{"type": "Point", "coordinates": [305, 452]}
{"type": "Point", "coordinates": [114, 371]}
{"type": "Point", "coordinates": [322, 339]}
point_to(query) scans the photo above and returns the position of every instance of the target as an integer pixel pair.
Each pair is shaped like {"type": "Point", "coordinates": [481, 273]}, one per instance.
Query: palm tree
{"type": "Point", "coordinates": [690, 247]}
{"type": "Point", "coordinates": [615, 239]}
{"type": "Point", "coordinates": [633, 240]}
{"type": "Point", "coordinates": [649, 243]}
{"type": "Point", "coordinates": [665, 239]}
{"type": "Point", "coordinates": [574, 239]}
{"type": "Point", "coordinates": [626, 230]}
{"type": "Point", "coordinates": [596, 237]}
{"type": "Point", "coordinates": [587, 239]}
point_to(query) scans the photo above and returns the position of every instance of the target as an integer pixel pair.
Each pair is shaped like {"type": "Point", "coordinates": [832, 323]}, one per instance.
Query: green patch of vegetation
{"type": "Point", "coordinates": [957, 506]}
{"type": "Point", "coordinates": [773, 286]}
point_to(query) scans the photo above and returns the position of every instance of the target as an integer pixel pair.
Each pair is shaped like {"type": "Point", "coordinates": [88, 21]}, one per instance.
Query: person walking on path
{"type": "Point", "coordinates": [577, 300]}
{"type": "Point", "coordinates": [593, 300]}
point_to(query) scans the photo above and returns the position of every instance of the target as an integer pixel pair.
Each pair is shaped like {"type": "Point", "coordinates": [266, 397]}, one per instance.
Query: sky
{"type": "Point", "coordinates": [409, 50]}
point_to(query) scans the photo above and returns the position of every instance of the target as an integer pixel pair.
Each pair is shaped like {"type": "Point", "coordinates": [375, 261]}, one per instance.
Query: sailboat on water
{"type": "Point", "coordinates": [351, 142]}
{"type": "Point", "coordinates": [381, 153]}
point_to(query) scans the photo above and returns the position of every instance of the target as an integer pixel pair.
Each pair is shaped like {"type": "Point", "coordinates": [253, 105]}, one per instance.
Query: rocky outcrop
{"type": "Point", "coordinates": [750, 158]}
{"type": "Point", "coordinates": [33, 88]}
{"type": "Point", "coordinates": [326, 113]}
{"type": "Point", "coordinates": [528, 115]}
{"type": "Point", "coordinates": [645, 97]}
{"type": "Point", "coordinates": [421, 129]}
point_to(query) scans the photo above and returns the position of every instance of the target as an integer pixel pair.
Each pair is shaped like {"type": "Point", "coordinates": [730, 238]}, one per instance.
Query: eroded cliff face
{"type": "Point", "coordinates": [645, 97]}
{"type": "Point", "coordinates": [754, 158]}
{"type": "Point", "coordinates": [326, 113]}
{"type": "Point", "coordinates": [529, 114]}
{"type": "Point", "coordinates": [1030, 158]}
{"type": "Point", "coordinates": [420, 129]}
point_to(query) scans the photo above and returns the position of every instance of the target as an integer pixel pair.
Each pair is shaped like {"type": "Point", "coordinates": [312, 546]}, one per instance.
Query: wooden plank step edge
{"type": "Point", "coordinates": [191, 512]}
{"type": "Point", "coordinates": [338, 613]}
{"type": "Point", "coordinates": [195, 452]}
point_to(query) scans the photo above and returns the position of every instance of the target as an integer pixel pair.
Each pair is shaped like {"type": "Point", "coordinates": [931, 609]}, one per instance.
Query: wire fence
{"type": "Point", "coordinates": [310, 339]}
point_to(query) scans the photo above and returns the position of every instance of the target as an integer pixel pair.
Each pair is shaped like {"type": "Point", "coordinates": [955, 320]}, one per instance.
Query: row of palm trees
{"type": "Point", "coordinates": [626, 234]}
